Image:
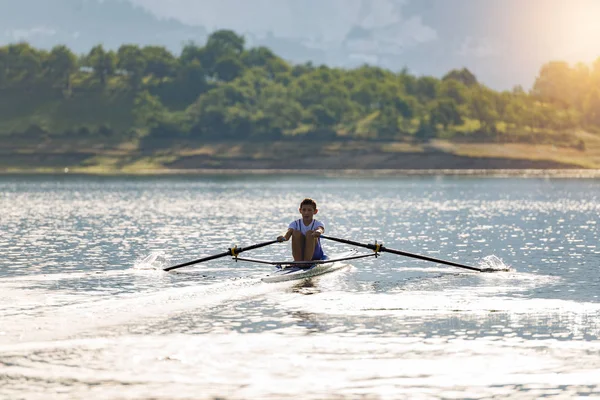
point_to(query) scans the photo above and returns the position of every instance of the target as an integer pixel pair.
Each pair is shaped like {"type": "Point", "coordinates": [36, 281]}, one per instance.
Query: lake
{"type": "Point", "coordinates": [86, 310]}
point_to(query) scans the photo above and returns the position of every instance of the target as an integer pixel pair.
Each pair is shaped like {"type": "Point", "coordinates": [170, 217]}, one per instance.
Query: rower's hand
{"type": "Point", "coordinates": [315, 234]}
{"type": "Point", "coordinates": [281, 239]}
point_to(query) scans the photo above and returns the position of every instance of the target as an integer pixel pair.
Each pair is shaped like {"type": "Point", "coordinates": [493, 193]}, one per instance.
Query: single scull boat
{"type": "Point", "coordinates": [294, 270]}
{"type": "Point", "coordinates": [289, 270]}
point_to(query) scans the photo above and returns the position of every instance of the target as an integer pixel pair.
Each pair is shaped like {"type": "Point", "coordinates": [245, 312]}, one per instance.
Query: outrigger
{"type": "Point", "coordinates": [292, 270]}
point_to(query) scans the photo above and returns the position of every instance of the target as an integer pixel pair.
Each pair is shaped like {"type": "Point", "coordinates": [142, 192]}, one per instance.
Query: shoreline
{"type": "Point", "coordinates": [358, 173]}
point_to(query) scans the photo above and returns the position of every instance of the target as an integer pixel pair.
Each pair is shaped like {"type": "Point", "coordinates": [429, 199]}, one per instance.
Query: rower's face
{"type": "Point", "coordinates": [308, 211]}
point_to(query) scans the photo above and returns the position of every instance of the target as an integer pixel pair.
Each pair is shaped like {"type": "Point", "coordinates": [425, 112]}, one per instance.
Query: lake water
{"type": "Point", "coordinates": [87, 312]}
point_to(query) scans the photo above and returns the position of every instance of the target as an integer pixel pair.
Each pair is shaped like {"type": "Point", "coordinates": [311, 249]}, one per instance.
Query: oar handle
{"type": "Point", "coordinates": [254, 246]}
{"type": "Point", "coordinates": [380, 248]}
{"type": "Point", "coordinates": [231, 252]}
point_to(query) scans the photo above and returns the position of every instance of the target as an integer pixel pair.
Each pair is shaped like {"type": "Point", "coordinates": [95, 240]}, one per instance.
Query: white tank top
{"type": "Point", "coordinates": [298, 225]}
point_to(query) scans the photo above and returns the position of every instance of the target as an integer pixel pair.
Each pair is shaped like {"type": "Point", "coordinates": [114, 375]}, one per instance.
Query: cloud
{"type": "Point", "coordinates": [28, 34]}
{"type": "Point", "coordinates": [329, 19]}
{"type": "Point", "coordinates": [479, 47]}
{"type": "Point", "coordinates": [318, 24]}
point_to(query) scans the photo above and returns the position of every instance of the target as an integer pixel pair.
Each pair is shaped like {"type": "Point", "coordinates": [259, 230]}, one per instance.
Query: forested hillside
{"type": "Point", "coordinates": [223, 91]}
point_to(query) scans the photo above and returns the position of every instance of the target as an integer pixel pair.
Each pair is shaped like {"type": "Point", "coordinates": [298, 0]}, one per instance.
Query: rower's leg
{"type": "Point", "coordinates": [298, 245]}
{"type": "Point", "coordinates": [309, 247]}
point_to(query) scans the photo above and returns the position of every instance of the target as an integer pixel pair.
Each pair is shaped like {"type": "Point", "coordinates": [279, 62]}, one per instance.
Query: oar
{"type": "Point", "coordinates": [379, 248]}
{"type": "Point", "coordinates": [231, 252]}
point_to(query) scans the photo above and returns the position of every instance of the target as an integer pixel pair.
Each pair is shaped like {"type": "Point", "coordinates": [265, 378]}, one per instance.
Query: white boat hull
{"type": "Point", "coordinates": [296, 273]}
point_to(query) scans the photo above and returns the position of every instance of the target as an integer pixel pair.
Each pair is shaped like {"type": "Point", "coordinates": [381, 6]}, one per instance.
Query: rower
{"type": "Point", "coordinates": [305, 233]}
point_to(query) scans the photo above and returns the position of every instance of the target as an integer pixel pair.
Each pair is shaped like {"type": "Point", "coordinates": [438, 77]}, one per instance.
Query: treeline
{"type": "Point", "coordinates": [223, 90]}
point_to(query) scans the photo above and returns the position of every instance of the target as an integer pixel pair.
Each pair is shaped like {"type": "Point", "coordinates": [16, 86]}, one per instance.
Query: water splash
{"type": "Point", "coordinates": [156, 260]}
{"type": "Point", "coordinates": [493, 264]}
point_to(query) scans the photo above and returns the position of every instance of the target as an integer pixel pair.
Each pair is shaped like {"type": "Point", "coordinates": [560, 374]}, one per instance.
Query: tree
{"type": "Point", "coordinates": [219, 45]}
{"type": "Point", "coordinates": [131, 59]}
{"type": "Point", "coordinates": [321, 117]}
{"type": "Point", "coordinates": [427, 88]}
{"type": "Point", "coordinates": [592, 108]}
{"type": "Point", "coordinates": [148, 110]}
{"type": "Point", "coordinates": [277, 115]}
{"type": "Point", "coordinates": [386, 124]}
{"type": "Point", "coordinates": [481, 109]}
{"type": "Point", "coordinates": [227, 68]}
{"type": "Point", "coordinates": [4, 66]}
{"type": "Point", "coordinates": [554, 84]}
{"type": "Point", "coordinates": [455, 90]}
{"type": "Point", "coordinates": [160, 62]}
{"type": "Point", "coordinates": [192, 80]}
{"type": "Point", "coordinates": [227, 41]}
{"type": "Point", "coordinates": [102, 62]}
{"type": "Point", "coordinates": [445, 112]}
{"type": "Point", "coordinates": [190, 53]}
{"type": "Point", "coordinates": [365, 94]}
{"type": "Point", "coordinates": [463, 76]}
{"type": "Point", "coordinates": [264, 58]}
{"type": "Point", "coordinates": [62, 63]}
{"type": "Point", "coordinates": [22, 64]}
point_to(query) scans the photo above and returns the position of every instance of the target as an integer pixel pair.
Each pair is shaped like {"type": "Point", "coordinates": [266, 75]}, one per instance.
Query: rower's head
{"type": "Point", "coordinates": [308, 208]}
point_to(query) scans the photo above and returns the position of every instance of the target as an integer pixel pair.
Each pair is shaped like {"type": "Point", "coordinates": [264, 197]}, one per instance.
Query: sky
{"type": "Point", "coordinates": [564, 28]}
{"type": "Point", "coordinates": [483, 34]}
{"type": "Point", "coordinates": [504, 42]}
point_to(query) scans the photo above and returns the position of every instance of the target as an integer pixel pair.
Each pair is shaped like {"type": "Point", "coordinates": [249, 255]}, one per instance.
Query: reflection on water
{"type": "Point", "coordinates": [86, 310]}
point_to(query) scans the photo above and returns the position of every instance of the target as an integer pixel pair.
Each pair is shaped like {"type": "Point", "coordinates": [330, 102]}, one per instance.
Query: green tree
{"type": "Point", "coordinates": [554, 84]}
{"type": "Point", "coordinates": [321, 117]}
{"type": "Point", "coordinates": [22, 64]}
{"type": "Point", "coordinates": [160, 62]}
{"type": "Point", "coordinates": [192, 80]}
{"type": "Point", "coordinates": [365, 94]}
{"type": "Point", "coordinates": [131, 59]}
{"type": "Point", "coordinates": [190, 53]}
{"type": "Point", "coordinates": [102, 62]}
{"type": "Point", "coordinates": [445, 112]}
{"type": "Point", "coordinates": [386, 124]}
{"type": "Point", "coordinates": [463, 76]}
{"type": "Point", "coordinates": [227, 68]}
{"type": "Point", "coordinates": [264, 58]}
{"type": "Point", "coordinates": [227, 41]}
{"type": "Point", "coordinates": [219, 45]}
{"type": "Point", "coordinates": [148, 110]}
{"type": "Point", "coordinates": [592, 108]}
{"type": "Point", "coordinates": [62, 64]}
{"type": "Point", "coordinates": [427, 88]}
{"type": "Point", "coordinates": [4, 66]}
{"type": "Point", "coordinates": [455, 90]}
{"type": "Point", "coordinates": [482, 109]}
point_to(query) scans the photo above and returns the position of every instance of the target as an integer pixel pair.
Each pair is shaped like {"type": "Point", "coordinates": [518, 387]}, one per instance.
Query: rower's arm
{"type": "Point", "coordinates": [320, 229]}
{"type": "Point", "coordinates": [286, 236]}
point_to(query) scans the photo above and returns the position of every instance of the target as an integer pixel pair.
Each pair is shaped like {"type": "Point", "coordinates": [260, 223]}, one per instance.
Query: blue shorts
{"type": "Point", "coordinates": [319, 254]}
